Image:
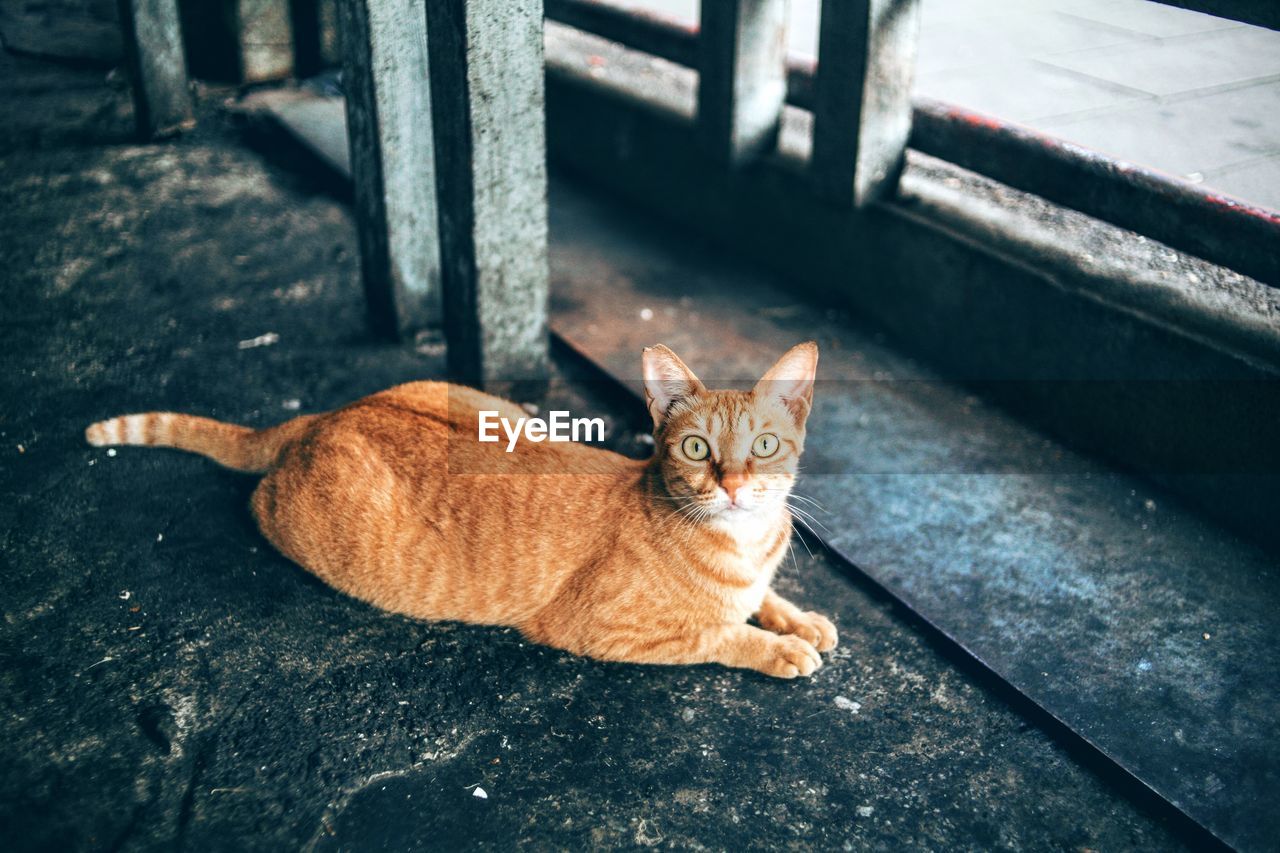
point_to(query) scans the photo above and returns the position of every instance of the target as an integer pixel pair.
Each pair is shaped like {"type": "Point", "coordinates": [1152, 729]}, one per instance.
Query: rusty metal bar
{"type": "Point", "coordinates": [1217, 228]}
{"type": "Point", "coordinates": [157, 67]}
{"type": "Point", "coordinates": [862, 98]}
{"type": "Point", "coordinates": [742, 78]}
{"type": "Point", "coordinates": [488, 96]}
{"type": "Point", "coordinates": [392, 162]}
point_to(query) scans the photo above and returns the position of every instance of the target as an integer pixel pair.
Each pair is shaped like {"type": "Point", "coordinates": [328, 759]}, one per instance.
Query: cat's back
{"type": "Point", "coordinates": [431, 424]}
{"type": "Point", "coordinates": [418, 436]}
{"type": "Point", "coordinates": [394, 500]}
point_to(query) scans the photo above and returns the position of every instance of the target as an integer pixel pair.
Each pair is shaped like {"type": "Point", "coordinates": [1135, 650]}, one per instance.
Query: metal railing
{"type": "Point", "coordinates": [490, 188]}
{"type": "Point", "coordinates": [1190, 218]}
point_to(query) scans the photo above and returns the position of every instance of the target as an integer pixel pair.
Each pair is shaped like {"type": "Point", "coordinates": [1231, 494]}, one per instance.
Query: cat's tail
{"type": "Point", "coordinates": [236, 447]}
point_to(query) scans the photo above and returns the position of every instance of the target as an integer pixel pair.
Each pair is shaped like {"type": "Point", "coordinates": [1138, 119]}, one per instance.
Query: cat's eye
{"type": "Point", "coordinates": [765, 445]}
{"type": "Point", "coordinates": [695, 447]}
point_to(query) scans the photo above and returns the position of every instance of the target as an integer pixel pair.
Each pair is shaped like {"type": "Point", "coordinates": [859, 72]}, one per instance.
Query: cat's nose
{"type": "Point", "coordinates": [731, 482]}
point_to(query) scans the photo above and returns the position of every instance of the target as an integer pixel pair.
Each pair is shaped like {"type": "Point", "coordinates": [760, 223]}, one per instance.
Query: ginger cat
{"type": "Point", "coordinates": [657, 561]}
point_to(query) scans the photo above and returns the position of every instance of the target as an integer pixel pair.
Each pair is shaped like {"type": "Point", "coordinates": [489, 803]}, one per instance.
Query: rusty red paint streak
{"type": "Point", "coordinates": [985, 122]}
{"type": "Point", "coordinates": [1270, 216]}
{"type": "Point", "coordinates": [979, 120]}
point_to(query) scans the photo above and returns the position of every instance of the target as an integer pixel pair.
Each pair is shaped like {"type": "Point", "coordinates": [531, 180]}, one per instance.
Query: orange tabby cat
{"type": "Point", "coordinates": [393, 500]}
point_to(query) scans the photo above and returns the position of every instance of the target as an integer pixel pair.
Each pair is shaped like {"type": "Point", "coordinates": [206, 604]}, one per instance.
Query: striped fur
{"type": "Point", "coordinates": [236, 447]}
{"type": "Point", "coordinates": [393, 500]}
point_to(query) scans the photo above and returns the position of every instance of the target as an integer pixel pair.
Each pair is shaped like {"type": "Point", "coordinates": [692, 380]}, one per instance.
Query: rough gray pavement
{"type": "Point", "coordinates": [167, 680]}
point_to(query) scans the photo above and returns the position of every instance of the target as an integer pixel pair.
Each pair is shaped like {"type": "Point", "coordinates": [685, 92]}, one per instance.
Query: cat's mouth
{"type": "Point", "coordinates": [735, 510]}
{"type": "Point", "coordinates": [719, 508]}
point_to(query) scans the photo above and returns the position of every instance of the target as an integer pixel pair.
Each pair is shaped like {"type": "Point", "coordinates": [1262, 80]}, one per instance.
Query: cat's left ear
{"type": "Point", "coordinates": [791, 380]}
{"type": "Point", "coordinates": [666, 380]}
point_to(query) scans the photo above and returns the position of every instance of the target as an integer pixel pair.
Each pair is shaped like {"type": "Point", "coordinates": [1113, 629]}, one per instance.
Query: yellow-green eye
{"type": "Point", "coordinates": [765, 445]}
{"type": "Point", "coordinates": [695, 448]}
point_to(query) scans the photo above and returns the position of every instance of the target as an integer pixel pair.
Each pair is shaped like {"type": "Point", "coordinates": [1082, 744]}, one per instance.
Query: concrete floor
{"type": "Point", "coordinates": [166, 680]}
{"type": "Point", "coordinates": [1190, 94]}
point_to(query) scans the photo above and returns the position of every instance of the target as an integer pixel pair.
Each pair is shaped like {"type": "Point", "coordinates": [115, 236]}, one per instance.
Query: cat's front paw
{"type": "Point", "coordinates": [817, 629]}
{"type": "Point", "coordinates": [812, 627]}
{"type": "Point", "coordinates": [787, 656]}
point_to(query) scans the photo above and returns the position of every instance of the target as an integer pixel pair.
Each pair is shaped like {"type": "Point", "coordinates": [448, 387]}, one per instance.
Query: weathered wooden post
{"type": "Point", "coordinates": [157, 67]}
{"type": "Point", "coordinates": [392, 162]}
{"type": "Point", "coordinates": [742, 77]}
{"type": "Point", "coordinates": [489, 121]}
{"type": "Point", "coordinates": [862, 98]}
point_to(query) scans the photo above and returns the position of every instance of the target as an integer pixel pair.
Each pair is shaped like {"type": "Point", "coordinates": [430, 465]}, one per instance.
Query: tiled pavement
{"type": "Point", "coordinates": [1187, 93]}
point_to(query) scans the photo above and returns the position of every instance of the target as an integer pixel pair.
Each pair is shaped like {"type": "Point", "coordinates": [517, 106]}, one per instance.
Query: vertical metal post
{"type": "Point", "coordinates": [264, 38]}
{"type": "Point", "coordinates": [862, 98]}
{"type": "Point", "coordinates": [488, 105]}
{"type": "Point", "coordinates": [157, 67]}
{"type": "Point", "coordinates": [742, 81]}
{"type": "Point", "coordinates": [392, 162]}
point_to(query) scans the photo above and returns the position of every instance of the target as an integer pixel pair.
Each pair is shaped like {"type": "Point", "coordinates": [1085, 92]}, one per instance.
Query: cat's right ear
{"type": "Point", "coordinates": [666, 380]}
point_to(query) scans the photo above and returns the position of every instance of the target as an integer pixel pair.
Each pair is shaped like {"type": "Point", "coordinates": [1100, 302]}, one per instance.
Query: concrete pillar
{"type": "Point", "coordinates": [862, 98]}
{"type": "Point", "coordinates": [157, 67]}
{"type": "Point", "coordinates": [489, 122]}
{"type": "Point", "coordinates": [389, 126]}
{"type": "Point", "coordinates": [742, 82]}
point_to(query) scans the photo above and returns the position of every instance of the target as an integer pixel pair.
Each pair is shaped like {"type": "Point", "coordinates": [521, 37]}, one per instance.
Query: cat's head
{"type": "Point", "coordinates": [729, 455]}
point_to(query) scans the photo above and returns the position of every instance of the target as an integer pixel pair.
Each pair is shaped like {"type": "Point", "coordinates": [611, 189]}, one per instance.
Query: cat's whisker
{"type": "Point", "coordinates": [803, 541]}
{"type": "Point", "coordinates": [688, 516]}
{"type": "Point", "coordinates": [791, 552]}
{"type": "Point", "coordinates": [808, 520]}
{"type": "Point", "coordinates": [794, 494]}
{"type": "Point", "coordinates": [805, 523]}
{"type": "Point", "coordinates": [676, 498]}
{"type": "Point", "coordinates": [808, 517]}
{"type": "Point", "coordinates": [805, 507]}
{"type": "Point", "coordinates": [810, 501]}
